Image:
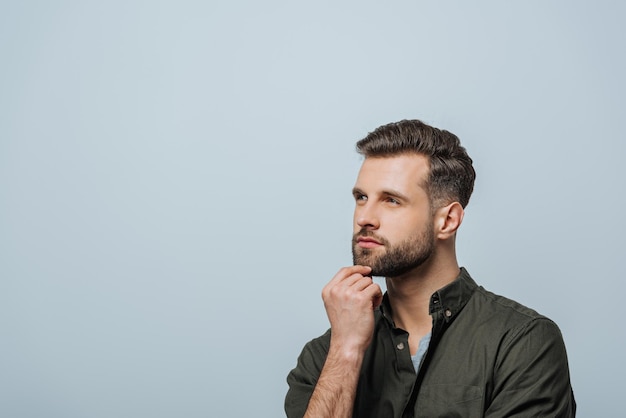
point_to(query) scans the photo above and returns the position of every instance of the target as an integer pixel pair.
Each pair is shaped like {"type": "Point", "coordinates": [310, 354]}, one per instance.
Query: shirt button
{"type": "Point", "coordinates": [400, 346]}
{"type": "Point", "coordinates": [448, 313]}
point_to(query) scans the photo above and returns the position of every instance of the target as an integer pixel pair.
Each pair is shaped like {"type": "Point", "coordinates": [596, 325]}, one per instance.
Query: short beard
{"type": "Point", "coordinates": [397, 260]}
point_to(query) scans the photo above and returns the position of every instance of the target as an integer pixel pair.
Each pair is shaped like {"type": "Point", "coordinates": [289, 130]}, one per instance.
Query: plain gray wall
{"type": "Point", "coordinates": [175, 185]}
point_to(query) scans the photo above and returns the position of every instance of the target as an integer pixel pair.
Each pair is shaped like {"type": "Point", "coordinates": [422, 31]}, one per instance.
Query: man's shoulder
{"type": "Point", "coordinates": [502, 304]}
{"type": "Point", "coordinates": [489, 302]}
{"type": "Point", "coordinates": [501, 314]}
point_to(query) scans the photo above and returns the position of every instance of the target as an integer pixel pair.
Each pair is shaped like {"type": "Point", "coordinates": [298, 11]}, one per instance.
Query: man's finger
{"type": "Point", "coordinates": [346, 272]}
{"type": "Point", "coordinates": [375, 293]}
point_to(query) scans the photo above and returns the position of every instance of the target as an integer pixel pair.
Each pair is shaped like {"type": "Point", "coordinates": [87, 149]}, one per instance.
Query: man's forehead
{"type": "Point", "coordinates": [401, 170]}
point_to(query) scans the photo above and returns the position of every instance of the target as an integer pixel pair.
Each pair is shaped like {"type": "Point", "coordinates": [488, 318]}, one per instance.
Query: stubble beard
{"type": "Point", "coordinates": [395, 260]}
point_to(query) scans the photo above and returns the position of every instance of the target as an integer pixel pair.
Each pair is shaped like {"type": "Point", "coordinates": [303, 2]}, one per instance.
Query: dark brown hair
{"type": "Point", "coordinates": [451, 176]}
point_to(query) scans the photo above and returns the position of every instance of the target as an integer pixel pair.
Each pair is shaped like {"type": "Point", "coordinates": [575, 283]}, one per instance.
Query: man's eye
{"type": "Point", "coordinates": [393, 201]}
{"type": "Point", "coordinates": [361, 197]}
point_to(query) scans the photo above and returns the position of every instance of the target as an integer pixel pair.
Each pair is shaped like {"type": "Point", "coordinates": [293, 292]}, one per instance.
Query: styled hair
{"type": "Point", "coordinates": [451, 177]}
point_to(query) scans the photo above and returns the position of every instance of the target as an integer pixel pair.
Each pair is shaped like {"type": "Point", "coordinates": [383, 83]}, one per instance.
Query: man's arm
{"type": "Point", "coordinates": [335, 390]}
{"type": "Point", "coordinates": [349, 298]}
{"type": "Point", "coordinates": [532, 374]}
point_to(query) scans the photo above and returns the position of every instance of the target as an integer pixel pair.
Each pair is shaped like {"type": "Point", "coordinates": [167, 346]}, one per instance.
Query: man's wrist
{"type": "Point", "coordinates": [346, 353]}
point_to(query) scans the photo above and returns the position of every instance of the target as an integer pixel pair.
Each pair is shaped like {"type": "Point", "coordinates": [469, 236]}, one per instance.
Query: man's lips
{"type": "Point", "coordinates": [367, 242]}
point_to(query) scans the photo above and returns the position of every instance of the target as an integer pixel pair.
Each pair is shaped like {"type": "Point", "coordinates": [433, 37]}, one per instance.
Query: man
{"type": "Point", "coordinates": [436, 344]}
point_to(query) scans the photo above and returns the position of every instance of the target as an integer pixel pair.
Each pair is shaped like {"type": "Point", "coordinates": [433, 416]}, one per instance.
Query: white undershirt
{"type": "Point", "coordinates": [421, 350]}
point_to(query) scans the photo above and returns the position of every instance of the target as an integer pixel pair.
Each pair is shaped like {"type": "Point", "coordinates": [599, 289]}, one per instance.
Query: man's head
{"type": "Point", "coordinates": [410, 194]}
{"type": "Point", "coordinates": [451, 176]}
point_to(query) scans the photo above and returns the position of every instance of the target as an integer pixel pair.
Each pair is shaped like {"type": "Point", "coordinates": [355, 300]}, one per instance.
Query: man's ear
{"type": "Point", "coordinates": [448, 219]}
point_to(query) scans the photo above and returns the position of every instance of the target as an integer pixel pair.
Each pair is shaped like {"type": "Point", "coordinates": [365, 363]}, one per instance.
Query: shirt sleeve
{"type": "Point", "coordinates": [303, 378]}
{"type": "Point", "coordinates": [531, 376]}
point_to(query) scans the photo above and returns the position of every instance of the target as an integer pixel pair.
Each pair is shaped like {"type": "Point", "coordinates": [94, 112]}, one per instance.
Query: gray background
{"type": "Point", "coordinates": [175, 185]}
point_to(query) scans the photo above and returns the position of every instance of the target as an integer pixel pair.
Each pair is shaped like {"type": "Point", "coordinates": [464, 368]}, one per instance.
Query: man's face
{"type": "Point", "coordinates": [393, 224]}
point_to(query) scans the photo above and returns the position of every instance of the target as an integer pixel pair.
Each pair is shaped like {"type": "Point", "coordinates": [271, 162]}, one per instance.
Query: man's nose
{"type": "Point", "coordinates": [366, 216]}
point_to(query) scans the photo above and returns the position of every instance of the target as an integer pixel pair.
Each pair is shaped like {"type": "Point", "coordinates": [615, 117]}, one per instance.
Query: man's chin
{"type": "Point", "coordinates": [362, 260]}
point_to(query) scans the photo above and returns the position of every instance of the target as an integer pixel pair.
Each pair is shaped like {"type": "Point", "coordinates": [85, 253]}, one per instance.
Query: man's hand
{"type": "Point", "coordinates": [350, 299]}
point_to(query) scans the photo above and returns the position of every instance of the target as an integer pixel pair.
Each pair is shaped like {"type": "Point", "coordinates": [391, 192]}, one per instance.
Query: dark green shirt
{"type": "Point", "coordinates": [488, 357]}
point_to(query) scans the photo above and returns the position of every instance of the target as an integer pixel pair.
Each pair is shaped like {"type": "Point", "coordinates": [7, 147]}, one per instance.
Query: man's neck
{"type": "Point", "coordinates": [410, 294]}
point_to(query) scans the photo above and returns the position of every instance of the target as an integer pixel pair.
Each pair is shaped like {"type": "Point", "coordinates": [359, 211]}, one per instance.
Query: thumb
{"type": "Point", "coordinates": [377, 298]}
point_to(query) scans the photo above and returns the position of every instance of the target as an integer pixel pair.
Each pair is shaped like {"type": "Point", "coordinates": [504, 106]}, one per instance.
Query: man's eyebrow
{"type": "Point", "coordinates": [385, 192]}
{"type": "Point", "coordinates": [395, 193]}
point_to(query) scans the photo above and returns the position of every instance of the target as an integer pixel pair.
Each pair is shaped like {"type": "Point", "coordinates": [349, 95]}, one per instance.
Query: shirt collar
{"type": "Point", "coordinates": [450, 299]}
